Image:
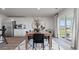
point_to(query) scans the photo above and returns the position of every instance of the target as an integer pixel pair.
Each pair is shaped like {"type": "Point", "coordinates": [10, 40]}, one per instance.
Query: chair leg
{"type": "Point", "coordinates": [33, 45]}
{"type": "Point", "coordinates": [43, 46]}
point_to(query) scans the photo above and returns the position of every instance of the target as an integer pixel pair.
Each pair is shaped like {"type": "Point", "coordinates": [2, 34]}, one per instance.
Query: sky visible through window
{"type": "Point", "coordinates": [62, 22]}
{"type": "Point", "coordinates": [68, 23]}
{"type": "Point", "coordinates": [65, 27]}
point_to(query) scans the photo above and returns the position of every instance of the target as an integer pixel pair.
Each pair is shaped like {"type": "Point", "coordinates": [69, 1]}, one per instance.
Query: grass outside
{"type": "Point", "coordinates": [64, 32]}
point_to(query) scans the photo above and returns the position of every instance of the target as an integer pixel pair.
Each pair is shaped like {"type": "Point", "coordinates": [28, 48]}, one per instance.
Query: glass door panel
{"type": "Point", "coordinates": [69, 22]}
{"type": "Point", "coordinates": [62, 27]}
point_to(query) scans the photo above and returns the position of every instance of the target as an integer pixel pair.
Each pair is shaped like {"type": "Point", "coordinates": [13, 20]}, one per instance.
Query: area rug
{"type": "Point", "coordinates": [38, 46]}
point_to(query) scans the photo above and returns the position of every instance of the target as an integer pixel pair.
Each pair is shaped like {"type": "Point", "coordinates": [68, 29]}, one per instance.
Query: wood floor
{"type": "Point", "coordinates": [13, 42]}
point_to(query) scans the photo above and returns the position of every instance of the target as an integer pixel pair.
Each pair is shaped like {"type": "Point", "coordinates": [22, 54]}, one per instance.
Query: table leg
{"type": "Point", "coordinates": [26, 42]}
{"type": "Point", "coordinates": [50, 43]}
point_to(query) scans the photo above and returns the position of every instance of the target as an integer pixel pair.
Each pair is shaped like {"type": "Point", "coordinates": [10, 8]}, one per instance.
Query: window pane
{"type": "Point", "coordinates": [69, 22]}
{"type": "Point", "coordinates": [62, 32]}
{"type": "Point", "coordinates": [69, 27]}
{"type": "Point", "coordinates": [62, 27]}
{"type": "Point", "coordinates": [62, 22]}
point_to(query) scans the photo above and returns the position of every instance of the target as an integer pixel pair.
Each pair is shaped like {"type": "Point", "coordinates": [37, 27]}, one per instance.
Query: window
{"type": "Point", "coordinates": [62, 27]}
{"type": "Point", "coordinates": [69, 23]}
{"type": "Point", "coordinates": [65, 27]}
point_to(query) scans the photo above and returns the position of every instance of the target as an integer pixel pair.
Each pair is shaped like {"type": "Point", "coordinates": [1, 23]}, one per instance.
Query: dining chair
{"type": "Point", "coordinates": [38, 38]}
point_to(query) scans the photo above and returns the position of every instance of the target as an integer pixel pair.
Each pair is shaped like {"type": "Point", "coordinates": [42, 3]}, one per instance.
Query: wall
{"type": "Point", "coordinates": [77, 29]}
{"type": "Point", "coordinates": [0, 22]}
{"type": "Point", "coordinates": [0, 28]}
{"type": "Point", "coordinates": [55, 25]}
{"type": "Point", "coordinates": [2, 17]}
{"type": "Point", "coordinates": [76, 26]}
{"type": "Point", "coordinates": [67, 12]}
{"type": "Point", "coordinates": [46, 21]}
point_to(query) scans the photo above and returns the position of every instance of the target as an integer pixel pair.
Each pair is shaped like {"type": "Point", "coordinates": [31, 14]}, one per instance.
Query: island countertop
{"type": "Point", "coordinates": [13, 42]}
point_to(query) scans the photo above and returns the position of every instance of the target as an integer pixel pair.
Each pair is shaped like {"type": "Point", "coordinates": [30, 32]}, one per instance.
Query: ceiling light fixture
{"type": "Point", "coordinates": [12, 19]}
{"type": "Point", "coordinates": [3, 8]}
{"type": "Point", "coordinates": [38, 8]}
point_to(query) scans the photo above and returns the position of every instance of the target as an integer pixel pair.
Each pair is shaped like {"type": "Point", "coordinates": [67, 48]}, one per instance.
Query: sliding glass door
{"type": "Point", "coordinates": [65, 27]}
{"type": "Point", "coordinates": [69, 23]}
{"type": "Point", "coordinates": [62, 27]}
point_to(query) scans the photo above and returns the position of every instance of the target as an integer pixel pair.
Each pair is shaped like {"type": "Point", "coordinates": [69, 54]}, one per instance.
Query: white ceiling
{"type": "Point", "coordinates": [14, 12]}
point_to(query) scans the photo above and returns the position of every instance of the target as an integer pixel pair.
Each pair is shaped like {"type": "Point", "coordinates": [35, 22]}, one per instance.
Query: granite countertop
{"type": "Point", "coordinates": [13, 42]}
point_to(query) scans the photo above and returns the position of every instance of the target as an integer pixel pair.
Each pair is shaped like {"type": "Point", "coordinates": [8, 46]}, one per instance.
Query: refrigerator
{"type": "Point", "coordinates": [9, 25]}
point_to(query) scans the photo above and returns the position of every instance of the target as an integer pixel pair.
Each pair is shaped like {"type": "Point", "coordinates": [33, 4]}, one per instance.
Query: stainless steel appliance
{"type": "Point", "coordinates": [10, 25]}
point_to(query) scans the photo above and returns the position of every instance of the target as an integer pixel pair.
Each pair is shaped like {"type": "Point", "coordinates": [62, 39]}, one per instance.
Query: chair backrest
{"type": "Point", "coordinates": [38, 38]}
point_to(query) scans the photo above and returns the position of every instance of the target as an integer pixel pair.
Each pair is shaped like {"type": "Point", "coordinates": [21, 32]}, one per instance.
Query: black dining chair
{"type": "Point", "coordinates": [38, 38]}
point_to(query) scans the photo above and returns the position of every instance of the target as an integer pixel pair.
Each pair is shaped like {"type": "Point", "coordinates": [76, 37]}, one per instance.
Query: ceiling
{"type": "Point", "coordinates": [21, 12]}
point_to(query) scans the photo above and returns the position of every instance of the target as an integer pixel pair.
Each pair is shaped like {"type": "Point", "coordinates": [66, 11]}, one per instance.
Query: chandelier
{"type": "Point", "coordinates": [37, 26]}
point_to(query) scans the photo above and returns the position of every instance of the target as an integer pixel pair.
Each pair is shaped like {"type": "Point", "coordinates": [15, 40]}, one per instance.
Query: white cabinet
{"type": "Point", "coordinates": [19, 32]}
{"type": "Point", "coordinates": [21, 46]}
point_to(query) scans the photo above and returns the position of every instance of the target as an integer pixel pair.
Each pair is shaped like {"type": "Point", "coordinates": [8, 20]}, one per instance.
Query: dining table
{"type": "Point", "coordinates": [46, 34]}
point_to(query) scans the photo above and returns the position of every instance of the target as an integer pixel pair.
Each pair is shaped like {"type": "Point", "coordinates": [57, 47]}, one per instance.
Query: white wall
{"type": "Point", "coordinates": [67, 12]}
{"type": "Point", "coordinates": [2, 17]}
{"type": "Point", "coordinates": [0, 22]}
{"type": "Point", "coordinates": [0, 27]}
{"type": "Point", "coordinates": [55, 25]}
{"type": "Point", "coordinates": [46, 21]}
{"type": "Point", "coordinates": [76, 26]}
